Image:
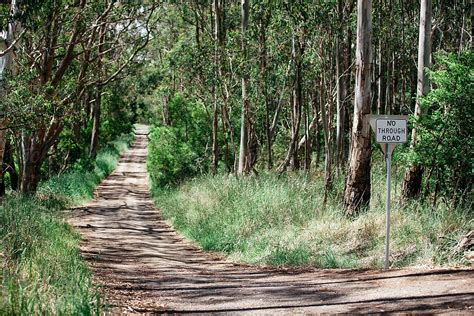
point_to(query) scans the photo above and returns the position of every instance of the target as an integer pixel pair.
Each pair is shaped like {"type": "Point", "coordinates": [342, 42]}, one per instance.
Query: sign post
{"type": "Point", "coordinates": [389, 131]}
{"type": "Point", "coordinates": [388, 159]}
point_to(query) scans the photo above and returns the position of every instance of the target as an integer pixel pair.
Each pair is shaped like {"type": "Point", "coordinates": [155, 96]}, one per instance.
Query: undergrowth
{"type": "Point", "coordinates": [281, 221]}
{"type": "Point", "coordinates": [43, 272]}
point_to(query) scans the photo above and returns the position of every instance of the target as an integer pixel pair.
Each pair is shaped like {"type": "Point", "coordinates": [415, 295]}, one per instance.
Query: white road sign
{"type": "Point", "coordinates": [391, 131]}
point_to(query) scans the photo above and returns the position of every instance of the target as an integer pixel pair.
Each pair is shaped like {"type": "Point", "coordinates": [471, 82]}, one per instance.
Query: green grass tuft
{"type": "Point", "coordinates": [43, 272]}
{"type": "Point", "coordinates": [281, 221]}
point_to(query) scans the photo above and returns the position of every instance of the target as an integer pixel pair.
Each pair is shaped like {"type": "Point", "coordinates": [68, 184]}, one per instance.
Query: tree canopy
{"type": "Point", "coordinates": [239, 87]}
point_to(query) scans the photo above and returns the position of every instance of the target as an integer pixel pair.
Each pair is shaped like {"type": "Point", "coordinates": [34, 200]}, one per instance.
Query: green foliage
{"type": "Point", "coordinates": [176, 151]}
{"type": "Point", "coordinates": [445, 143]}
{"type": "Point", "coordinates": [281, 221]}
{"type": "Point", "coordinates": [169, 160]}
{"type": "Point", "coordinates": [43, 271]}
{"type": "Point", "coordinates": [119, 111]}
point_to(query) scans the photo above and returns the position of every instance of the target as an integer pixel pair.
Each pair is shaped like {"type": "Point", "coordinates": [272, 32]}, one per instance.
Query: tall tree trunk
{"type": "Point", "coordinates": [472, 25]}
{"type": "Point", "coordinates": [412, 180]}
{"type": "Point", "coordinates": [3, 140]}
{"type": "Point", "coordinates": [317, 137]}
{"type": "Point", "coordinates": [357, 190]}
{"type": "Point", "coordinates": [264, 88]}
{"type": "Point", "coordinates": [96, 110]}
{"type": "Point", "coordinates": [7, 38]}
{"type": "Point", "coordinates": [31, 157]}
{"type": "Point", "coordinates": [388, 90]}
{"type": "Point", "coordinates": [307, 136]}
{"type": "Point", "coordinates": [215, 116]}
{"type": "Point", "coordinates": [215, 128]}
{"type": "Point", "coordinates": [381, 79]}
{"type": "Point", "coordinates": [244, 163]}
{"type": "Point", "coordinates": [348, 103]}
{"type": "Point", "coordinates": [296, 104]}
{"type": "Point", "coordinates": [227, 127]}
{"type": "Point", "coordinates": [325, 118]}
{"type": "Point", "coordinates": [9, 167]}
{"type": "Point", "coordinates": [343, 63]}
{"type": "Point", "coordinates": [226, 123]}
{"type": "Point", "coordinates": [96, 113]}
{"type": "Point", "coordinates": [341, 93]}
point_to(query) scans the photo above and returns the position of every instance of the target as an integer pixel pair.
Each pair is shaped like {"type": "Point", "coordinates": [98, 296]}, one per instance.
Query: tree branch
{"type": "Point", "coordinates": [138, 49]}
{"type": "Point", "coordinates": [12, 45]}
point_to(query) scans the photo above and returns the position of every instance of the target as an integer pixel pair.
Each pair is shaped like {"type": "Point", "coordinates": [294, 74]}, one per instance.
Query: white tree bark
{"type": "Point", "coordinates": [243, 165]}
{"type": "Point", "coordinates": [424, 56]}
{"type": "Point", "coordinates": [7, 38]}
{"type": "Point", "coordinates": [413, 177]}
{"type": "Point", "coordinates": [357, 191]}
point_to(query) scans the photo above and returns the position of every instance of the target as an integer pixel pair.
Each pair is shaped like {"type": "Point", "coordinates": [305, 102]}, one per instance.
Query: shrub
{"type": "Point", "coordinates": [179, 150]}
{"type": "Point", "coordinates": [445, 129]}
{"type": "Point", "coordinates": [169, 160]}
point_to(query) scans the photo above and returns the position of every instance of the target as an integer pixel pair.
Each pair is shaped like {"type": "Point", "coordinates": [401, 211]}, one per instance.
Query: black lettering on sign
{"type": "Point", "coordinates": [391, 123]}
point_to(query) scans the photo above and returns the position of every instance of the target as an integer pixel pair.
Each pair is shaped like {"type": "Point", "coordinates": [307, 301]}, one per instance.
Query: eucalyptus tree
{"type": "Point", "coordinates": [413, 176]}
{"type": "Point", "coordinates": [245, 123]}
{"type": "Point", "coordinates": [357, 189]}
{"type": "Point", "coordinates": [10, 34]}
{"type": "Point", "coordinates": [61, 39]}
{"type": "Point", "coordinates": [298, 17]}
{"type": "Point", "coordinates": [217, 7]}
{"type": "Point", "coordinates": [343, 71]}
{"type": "Point", "coordinates": [124, 31]}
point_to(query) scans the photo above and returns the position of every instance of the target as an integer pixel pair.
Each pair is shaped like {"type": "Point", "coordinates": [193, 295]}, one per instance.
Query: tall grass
{"type": "Point", "coordinates": [281, 220]}
{"type": "Point", "coordinates": [42, 269]}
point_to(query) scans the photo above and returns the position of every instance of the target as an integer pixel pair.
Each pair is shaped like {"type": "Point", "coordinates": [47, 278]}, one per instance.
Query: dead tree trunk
{"type": "Point", "coordinates": [357, 190]}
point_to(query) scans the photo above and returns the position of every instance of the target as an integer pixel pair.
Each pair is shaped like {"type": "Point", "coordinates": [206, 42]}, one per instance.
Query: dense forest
{"type": "Point", "coordinates": [241, 90]}
{"type": "Point", "coordinates": [287, 86]}
{"type": "Point", "coordinates": [240, 87]}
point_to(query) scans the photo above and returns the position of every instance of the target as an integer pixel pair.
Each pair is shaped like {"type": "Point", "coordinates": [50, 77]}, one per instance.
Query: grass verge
{"type": "Point", "coordinates": [281, 221]}
{"type": "Point", "coordinates": [43, 272]}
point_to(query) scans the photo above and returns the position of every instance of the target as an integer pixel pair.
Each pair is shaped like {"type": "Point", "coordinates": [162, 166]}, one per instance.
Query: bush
{"type": "Point", "coordinates": [445, 129]}
{"type": "Point", "coordinates": [169, 160]}
{"type": "Point", "coordinates": [178, 151]}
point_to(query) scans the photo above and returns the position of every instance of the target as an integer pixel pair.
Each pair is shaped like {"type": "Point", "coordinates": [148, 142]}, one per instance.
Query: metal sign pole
{"type": "Point", "coordinates": [388, 158]}
{"type": "Point", "coordinates": [389, 131]}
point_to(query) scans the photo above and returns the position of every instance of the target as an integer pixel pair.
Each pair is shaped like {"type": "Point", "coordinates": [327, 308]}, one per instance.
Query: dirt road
{"type": "Point", "coordinates": [146, 267]}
